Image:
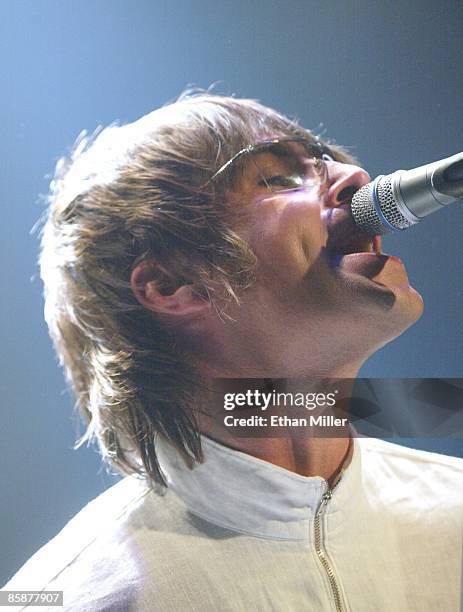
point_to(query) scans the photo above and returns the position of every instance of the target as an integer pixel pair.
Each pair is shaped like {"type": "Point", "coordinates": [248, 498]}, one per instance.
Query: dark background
{"type": "Point", "coordinates": [384, 78]}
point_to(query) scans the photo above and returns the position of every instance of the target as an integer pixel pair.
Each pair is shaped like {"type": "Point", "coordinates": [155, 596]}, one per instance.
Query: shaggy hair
{"type": "Point", "coordinates": [123, 195]}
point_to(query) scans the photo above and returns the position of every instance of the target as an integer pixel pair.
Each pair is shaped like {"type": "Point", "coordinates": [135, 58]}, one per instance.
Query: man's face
{"type": "Point", "coordinates": [318, 279]}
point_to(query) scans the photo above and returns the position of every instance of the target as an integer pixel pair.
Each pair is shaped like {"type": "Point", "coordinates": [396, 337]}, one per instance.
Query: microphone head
{"type": "Point", "coordinates": [375, 209]}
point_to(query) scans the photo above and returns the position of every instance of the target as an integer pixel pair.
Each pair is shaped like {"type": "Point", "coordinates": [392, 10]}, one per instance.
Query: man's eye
{"type": "Point", "coordinates": [280, 181]}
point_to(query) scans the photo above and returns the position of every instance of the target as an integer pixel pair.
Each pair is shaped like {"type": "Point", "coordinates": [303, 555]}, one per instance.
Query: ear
{"type": "Point", "coordinates": [180, 303]}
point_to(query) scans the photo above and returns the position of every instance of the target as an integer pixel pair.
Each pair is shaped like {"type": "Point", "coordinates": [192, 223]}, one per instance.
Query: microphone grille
{"type": "Point", "coordinates": [364, 210]}
{"type": "Point", "coordinates": [389, 206]}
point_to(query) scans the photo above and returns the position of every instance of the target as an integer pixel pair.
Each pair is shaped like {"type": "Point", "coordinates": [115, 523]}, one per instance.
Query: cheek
{"type": "Point", "coordinates": [287, 235]}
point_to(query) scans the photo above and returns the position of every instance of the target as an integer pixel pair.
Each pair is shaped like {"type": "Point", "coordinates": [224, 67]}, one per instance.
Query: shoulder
{"type": "Point", "coordinates": [395, 472]}
{"type": "Point", "coordinates": [89, 559]}
{"type": "Point", "coordinates": [411, 457]}
{"type": "Point", "coordinates": [124, 547]}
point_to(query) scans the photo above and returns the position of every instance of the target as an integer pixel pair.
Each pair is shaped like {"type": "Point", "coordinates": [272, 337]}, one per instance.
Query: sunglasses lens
{"type": "Point", "coordinates": [280, 165]}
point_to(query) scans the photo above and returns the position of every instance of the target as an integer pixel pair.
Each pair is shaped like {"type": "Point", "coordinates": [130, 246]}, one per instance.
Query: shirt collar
{"type": "Point", "coordinates": [240, 492]}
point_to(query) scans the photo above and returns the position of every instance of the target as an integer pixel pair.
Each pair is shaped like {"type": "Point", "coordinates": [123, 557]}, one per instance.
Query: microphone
{"type": "Point", "coordinates": [397, 201]}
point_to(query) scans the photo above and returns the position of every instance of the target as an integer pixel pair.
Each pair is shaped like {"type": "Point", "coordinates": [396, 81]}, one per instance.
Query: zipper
{"type": "Point", "coordinates": [321, 552]}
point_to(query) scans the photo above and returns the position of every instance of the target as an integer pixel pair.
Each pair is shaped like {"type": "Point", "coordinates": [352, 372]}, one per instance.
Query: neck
{"type": "Point", "coordinates": [307, 435]}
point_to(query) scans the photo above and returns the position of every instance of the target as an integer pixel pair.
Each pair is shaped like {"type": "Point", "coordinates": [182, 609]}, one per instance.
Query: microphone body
{"type": "Point", "coordinates": [399, 200]}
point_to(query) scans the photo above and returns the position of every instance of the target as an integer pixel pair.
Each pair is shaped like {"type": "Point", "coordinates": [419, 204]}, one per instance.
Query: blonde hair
{"type": "Point", "coordinates": [127, 194]}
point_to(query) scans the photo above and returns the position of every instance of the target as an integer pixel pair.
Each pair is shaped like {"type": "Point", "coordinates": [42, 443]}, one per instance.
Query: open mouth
{"type": "Point", "coordinates": [345, 238]}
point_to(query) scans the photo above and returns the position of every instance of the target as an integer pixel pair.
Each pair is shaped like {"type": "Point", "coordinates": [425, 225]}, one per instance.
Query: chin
{"type": "Point", "coordinates": [406, 309]}
{"type": "Point", "coordinates": [410, 305]}
{"type": "Point", "coordinates": [381, 284]}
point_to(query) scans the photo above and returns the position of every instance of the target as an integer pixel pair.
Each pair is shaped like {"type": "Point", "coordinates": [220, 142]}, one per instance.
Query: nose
{"type": "Point", "coordinates": [343, 181]}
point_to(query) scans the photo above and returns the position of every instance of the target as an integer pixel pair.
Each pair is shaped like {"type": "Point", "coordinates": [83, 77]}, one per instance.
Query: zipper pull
{"type": "Point", "coordinates": [327, 495]}
{"type": "Point", "coordinates": [325, 499]}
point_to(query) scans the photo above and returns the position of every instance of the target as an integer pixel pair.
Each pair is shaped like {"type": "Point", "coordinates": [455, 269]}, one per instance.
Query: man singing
{"type": "Point", "coordinates": [210, 240]}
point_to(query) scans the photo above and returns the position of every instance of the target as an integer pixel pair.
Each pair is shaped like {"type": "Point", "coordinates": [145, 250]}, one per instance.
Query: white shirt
{"type": "Point", "coordinates": [239, 534]}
